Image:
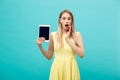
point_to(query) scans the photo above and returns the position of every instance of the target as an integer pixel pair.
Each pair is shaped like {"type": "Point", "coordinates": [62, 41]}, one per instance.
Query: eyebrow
{"type": "Point", "coordinates": [67, 17]}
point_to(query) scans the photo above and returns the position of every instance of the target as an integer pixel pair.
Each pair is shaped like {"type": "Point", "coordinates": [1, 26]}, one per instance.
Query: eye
{"type": "Point", "coordinates": [69, 18]}
{"type": "Point", "coordinates": [63, 18]}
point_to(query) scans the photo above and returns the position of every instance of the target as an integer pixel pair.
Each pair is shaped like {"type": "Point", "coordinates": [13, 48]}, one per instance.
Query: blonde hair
{"type": "Point", "coordinates": [60, 32]}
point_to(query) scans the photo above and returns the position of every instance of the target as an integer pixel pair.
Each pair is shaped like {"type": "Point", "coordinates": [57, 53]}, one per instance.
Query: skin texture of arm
{"type": "Point", "coordinates": [78, 46]}
{"type": "Point", "coordinates": [47, 54]}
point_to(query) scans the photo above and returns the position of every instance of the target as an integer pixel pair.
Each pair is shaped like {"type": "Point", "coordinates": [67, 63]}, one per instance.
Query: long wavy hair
{"type": "Point", "coordinates": [60, 28]}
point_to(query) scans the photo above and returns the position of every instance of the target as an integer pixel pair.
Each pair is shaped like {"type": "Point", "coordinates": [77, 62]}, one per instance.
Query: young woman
{"type": "Point", "coordinates": [65, 44]}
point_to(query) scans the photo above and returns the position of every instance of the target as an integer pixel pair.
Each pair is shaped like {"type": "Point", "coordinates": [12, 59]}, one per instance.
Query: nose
{"type": "Point", "coordinates": [66, 21]}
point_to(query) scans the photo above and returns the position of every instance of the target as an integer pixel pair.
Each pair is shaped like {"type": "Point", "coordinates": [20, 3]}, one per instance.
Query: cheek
{"type": "Point", "coordinates": [70, 22]}
{"type": "Point", "coordinates": [62, 22]}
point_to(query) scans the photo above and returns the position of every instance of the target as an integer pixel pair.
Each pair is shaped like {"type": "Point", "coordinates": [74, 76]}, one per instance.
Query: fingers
{"type": "Point", "coordinates": [70, 30]}
{"type": "Point", "coordinates": [40, 40]}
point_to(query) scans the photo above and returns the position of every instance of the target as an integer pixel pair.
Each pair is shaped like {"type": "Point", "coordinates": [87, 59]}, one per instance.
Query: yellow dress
{"type": "Point", "coordinates": [64, 66]}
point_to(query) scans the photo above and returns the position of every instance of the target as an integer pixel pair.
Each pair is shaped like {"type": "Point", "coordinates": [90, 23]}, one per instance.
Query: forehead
{"type": "Point", "coordinates": [66, 15]}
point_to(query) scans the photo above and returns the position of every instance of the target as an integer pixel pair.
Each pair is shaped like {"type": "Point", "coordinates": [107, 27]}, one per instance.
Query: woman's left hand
{"type": "Point", "coordinates": [68, 33]}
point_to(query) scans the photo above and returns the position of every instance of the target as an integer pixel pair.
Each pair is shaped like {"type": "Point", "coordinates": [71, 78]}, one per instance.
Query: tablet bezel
{"type": "Point", "coordinates": [43, 25]}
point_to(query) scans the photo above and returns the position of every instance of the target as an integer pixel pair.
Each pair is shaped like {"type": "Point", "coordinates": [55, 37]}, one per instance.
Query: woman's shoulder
{"type": "Point", "coordinates": [77, 33]}
{"type": "Point", "coordinates": [53, 33]}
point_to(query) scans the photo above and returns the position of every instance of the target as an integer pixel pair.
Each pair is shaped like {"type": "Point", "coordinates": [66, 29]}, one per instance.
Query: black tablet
{"type": "Point", "coordinates": [44, 31]}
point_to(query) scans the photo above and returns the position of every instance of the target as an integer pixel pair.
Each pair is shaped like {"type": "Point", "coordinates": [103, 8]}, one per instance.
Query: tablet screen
{"type": "Point", "coordinates": [44, 31]}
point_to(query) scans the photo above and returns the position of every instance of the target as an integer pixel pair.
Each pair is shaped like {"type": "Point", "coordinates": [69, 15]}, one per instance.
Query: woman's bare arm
{"type": "Point", "coordinates": [78, 46]}
{"type": "Point", "coordinates": [47, 54]}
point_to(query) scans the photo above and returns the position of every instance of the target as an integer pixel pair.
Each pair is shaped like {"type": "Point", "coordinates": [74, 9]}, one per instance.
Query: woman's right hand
{"type": "Point", "coordinates": [40, 40]}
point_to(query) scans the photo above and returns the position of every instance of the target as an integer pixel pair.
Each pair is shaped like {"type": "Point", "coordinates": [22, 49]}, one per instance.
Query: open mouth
{"type": "Point", "coordinates": [66, 25]}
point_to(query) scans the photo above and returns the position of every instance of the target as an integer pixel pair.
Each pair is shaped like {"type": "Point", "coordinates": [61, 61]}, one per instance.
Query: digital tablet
{"type": "Point", "coordinates": [44, 31]}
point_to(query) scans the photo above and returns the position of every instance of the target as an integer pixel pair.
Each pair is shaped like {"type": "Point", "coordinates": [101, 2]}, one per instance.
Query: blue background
{"type": "Point", "coordinates": [97, 20]}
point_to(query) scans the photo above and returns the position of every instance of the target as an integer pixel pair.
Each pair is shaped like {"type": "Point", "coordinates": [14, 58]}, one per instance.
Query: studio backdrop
{"type": "Point", "coordinates": [97, 20]}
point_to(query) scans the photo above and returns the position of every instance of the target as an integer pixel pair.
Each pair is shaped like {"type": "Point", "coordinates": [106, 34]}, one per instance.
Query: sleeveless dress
{"type": "Point", "coordinates": [64, 66]}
